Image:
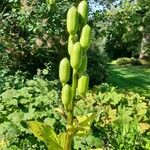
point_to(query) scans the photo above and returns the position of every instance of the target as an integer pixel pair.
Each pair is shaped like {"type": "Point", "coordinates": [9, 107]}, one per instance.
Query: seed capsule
{"type": "Point", "coordinates": [66, 96]}
{"type": "Point", "coordinates": [86, 37]}
{"type": "Point", "coordinates": [64, 70]}
{"type": "Point", "coordinates": [76, 56]}
{"type": "Point", "coordinates": [72, 20]}
{"type": "Point", "coordinates": [83, 84]}
{"type": "Point", "coordinates": [83, 12]}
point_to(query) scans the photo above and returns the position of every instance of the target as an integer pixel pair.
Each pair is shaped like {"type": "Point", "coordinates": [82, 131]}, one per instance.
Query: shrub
{"type": "Point", "coordinates": [8, 80]}
{"type": "Point", "coordinates": [121, 117]}
{"type": "Point", "coordinates": [35, 100]}
{"type": "Point", "coordinates": [125, 61]}
{"type": "Point", "coordinates": [97, 68]}
{"type": "Point", "coordinates": [33, 35]}
{"type": "Point", "coordinates": [135, 61]}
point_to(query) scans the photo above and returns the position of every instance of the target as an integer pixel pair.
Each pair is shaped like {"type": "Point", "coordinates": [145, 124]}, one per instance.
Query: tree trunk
{"type": "Point", "coordinates": [145, 43]}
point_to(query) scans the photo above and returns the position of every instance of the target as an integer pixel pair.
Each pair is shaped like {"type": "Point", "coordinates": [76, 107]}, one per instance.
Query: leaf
{"type": "Point", "coordinates": [15, 117]}
{"type": "Point", "coordinates": [82, 131]}
{"type": "Point", "coordinates": [60, 111]}
{"type": "Point", "coordinates": [112, 115]}
{"type": "Point", "coordinates": [45, 71]}
{"type": "Point", "coordinates": [144, 127]}
{"type": "Point", "coordinates": [46, 134]}
{"type": "Point", "coordinates": [78, 130]}
{"type": "Point", "coordinates": [116, 98]}
{"type": "Point", "coordinates": [3, 144]}
{"type": "Point", "coordinates": [86, 120]}
{"type": "Point", "coordinates": [142, 108]}
{"type": "Point", "coordinates": [62, 139]}
{"type": "Point", "coordinates": [84, 124]}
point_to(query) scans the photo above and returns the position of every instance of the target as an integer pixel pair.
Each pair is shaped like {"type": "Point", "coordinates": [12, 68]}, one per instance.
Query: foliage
{"type": "Point", "coordinates": [7, 80]}
{"type": "Point", "coordinates": [121, 27]}
{"type": "Point", "coordinates": [145, 44]}
{"type": "Point", "coordinates": [97, 67]}
{"type": "Point", "coordinates": [124, 24]}
{"type": "Point", "coordinates": [38, 100]}
{"type": "Point", "coordinates": [34, 101]}
{"type": "Point", "coordinates": [122, 119]}
{"type": "Point", "coordinates": [125, 60]}
{"type": "Point", "coordinates": [33, 34]}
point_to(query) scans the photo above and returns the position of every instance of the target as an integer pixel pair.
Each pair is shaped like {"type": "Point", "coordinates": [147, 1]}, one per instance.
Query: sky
{"type": "Point", "coordinates": [95, 6]}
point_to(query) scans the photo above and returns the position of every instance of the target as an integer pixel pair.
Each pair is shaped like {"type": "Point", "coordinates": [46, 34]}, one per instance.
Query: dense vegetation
{"type": "Point", "coordinates": [33, 40]}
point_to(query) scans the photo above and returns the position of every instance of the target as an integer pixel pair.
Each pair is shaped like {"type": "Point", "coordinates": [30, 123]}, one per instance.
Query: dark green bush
{"type": "Point", "coordinates": [32, 100]}
{"type": "Point", "coordinates": [97, 68]}
{"type": "Point", "coordinates": [123, 61]}
{"type": "Point", "coordinates": [135, 61]}
{"type": "Point", "coordinates": [33, 35]}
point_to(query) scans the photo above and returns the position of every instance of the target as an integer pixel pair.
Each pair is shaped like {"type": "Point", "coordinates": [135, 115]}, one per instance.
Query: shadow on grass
{"type": "Point", "coordinates": [133, 78]}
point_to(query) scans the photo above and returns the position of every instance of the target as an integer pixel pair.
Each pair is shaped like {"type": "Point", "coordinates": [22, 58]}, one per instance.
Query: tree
{"type": "Point", "coordinates": [145, 43]}
{"type": "Point", "coordinates": [125, 25]}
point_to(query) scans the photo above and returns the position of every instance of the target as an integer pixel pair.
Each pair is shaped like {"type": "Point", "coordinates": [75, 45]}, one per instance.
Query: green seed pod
{"type": "Point", "coordinates": [72, 20]}
{"type": "Point", "coordinates": [83, 12]}
{"type": "Point", "coordinates": [71, 41]}
{"type": "Point", "coordinates": [66, 96]}
{"type": "Point", "coordinates": [76, 56]}
{"type": "Point", "coordinates": [64, 70]}
{"type": "Point", "coordinates": [83, 67]}
{"type": "Point", "coordinates": [83, 84]}
{"type": "Point", "coordinates": [86, 37]}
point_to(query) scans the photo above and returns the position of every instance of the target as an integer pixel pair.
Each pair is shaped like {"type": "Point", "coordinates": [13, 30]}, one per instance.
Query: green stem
{"type": "Point", "coordinates": [74, 86]}
{"type": "Point", "coordinates": [69, 135]}
{"type": "Point", "coordinates": [68, 142]}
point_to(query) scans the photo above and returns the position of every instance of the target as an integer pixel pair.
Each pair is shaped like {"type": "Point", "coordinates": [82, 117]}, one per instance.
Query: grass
{"type": "Point", "coordinates": [134, 78]}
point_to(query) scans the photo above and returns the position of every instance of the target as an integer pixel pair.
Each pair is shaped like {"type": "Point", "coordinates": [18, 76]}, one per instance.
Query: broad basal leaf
{"type": "Point", "coordinates": [46, 134]}
{"type": "Point", "coordinates": [62, 139]}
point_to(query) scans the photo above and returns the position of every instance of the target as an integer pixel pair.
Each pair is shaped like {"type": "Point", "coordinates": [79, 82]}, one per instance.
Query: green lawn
{"type": "Point", "coordinates": [135, 78]}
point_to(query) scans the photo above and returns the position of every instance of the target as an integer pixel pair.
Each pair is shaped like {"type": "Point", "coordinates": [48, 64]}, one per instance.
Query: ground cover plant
{"type": "Point", "coordinates": [121, 122]}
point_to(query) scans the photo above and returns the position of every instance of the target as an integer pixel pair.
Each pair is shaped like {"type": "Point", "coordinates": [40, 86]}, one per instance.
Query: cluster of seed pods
{"type": "Point", "coordinates": [78, 44]}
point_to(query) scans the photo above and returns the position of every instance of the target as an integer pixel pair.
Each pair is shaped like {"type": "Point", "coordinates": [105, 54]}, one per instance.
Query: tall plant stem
{"type": "Point", "coordinates": [69, 135]}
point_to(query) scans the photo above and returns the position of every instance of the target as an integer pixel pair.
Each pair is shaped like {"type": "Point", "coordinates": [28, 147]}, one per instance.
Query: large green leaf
{"type": "Point", "coordinates": [62, 138]}
{"type": "Point", "coordinates": [84, 124]}
{"type": "Point", "coordinates": [86, 120]}
{"type": "Point", "coordinates": [3, 144]}
{"type": "Point", "coordinates": [46, 134]}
